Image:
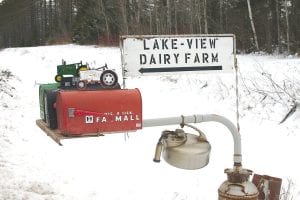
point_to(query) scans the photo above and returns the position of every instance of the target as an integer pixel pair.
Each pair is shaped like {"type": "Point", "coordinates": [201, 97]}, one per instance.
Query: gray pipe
{"type": "Point", "coordinates": [237, 158]}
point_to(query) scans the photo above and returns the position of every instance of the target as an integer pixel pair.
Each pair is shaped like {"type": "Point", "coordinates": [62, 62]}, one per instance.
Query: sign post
{"type": "Point", "coordinates": [170, 54]}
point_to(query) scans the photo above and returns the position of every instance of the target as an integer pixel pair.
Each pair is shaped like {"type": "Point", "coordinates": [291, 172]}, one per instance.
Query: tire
{"type": "Point", "coordinates": [109, 78]}
{"type": "Point", "coordinates": [50, 110]}
{"type": "Point", "coordinates": [58, 78]}
{"type": "Point", "coordinates": [81, 85]}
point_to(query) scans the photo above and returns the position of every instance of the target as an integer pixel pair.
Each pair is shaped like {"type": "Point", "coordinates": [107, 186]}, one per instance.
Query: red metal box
{"type": "Point", "coordinates": [99, 111]}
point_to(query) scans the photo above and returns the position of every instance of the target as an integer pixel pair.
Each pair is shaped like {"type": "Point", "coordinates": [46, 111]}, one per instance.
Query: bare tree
{"type": "Point", "coordinates": [123, 7]}
{"type": "Point", "coordinates": [157, 21]}
{"type": "Point", "coordinates": [268, 26]}
{"type": "Point", "coordinates": [287, 26]}
{"type": "Point", "coordinates": [103, 11]}
{"type": "Point", "coordinates": [169, 25]}
{"type": "Point", "coordinates": [252, 25]}
{"type": "Point", "coordinates": [199, 18]}
{"type": "Point", "coordinates": [175, 17]}
{"type": "Point", "coordinates": [278, 21]}
{"type": "Point", "coordinates": [221, 15]}
{"type": "Point", "coordinates": [205, 16]}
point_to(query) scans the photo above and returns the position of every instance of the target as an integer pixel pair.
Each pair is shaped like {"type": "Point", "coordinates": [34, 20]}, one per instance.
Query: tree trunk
{"type": "Point", "coordinates": [221, 16]}
{"type": "Point", "coordinates": [252, 25]}
{"type": "Point", "coordinates": [50, 8]}
{"type": "Point", "coordinates": [150, 23]}
{"type": "Point", "coordinates": [287, 26]}
{"type": "Point", "coordinates": [106, 21]}
{"type": "Point", "coordinates": [278, 24]}
{"type": "Point", "coordinates": [175, 18]}
{"type": "Point", "coordinates": [199, 16]}
{"type": "Point", "coordinates": [268, 26]}
{"type": "Point", "coordinates": [169, 25]}
{"type": "Point", "coordinates": [205, 16]}
{"type": "Point", "coordinates": [124, 16]}
{"type": "Point", "coordinates": [156, 17]}
{"type": "Point", "coordinates": [191, 17]}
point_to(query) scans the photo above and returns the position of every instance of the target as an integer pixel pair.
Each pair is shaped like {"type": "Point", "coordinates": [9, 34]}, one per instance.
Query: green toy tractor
{"type": "Point", "coordinates": [70, 69]}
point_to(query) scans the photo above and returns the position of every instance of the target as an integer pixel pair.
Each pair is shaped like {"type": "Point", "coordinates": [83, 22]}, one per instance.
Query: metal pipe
{"type": "Point", "coordinates": [158, 152]}
{"type": "Point", "coordinates": [237, 158]}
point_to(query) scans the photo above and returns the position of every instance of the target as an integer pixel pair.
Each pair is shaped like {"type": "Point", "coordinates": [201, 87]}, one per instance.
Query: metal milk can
{"type": "Point", "coordinates": [238, 186]}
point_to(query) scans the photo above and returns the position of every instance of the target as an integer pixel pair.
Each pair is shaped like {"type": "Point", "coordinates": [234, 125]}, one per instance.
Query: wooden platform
{"type": "Point", "coordinates": [57, 135]}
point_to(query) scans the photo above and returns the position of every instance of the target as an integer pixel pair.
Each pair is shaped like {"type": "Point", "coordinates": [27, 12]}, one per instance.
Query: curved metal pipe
{"type": "Point", "coordinates": [237, 157]}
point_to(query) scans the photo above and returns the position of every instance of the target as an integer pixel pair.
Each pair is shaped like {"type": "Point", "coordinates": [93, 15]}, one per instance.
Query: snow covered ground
{"type": "Point", "coordinates": [115, 167]}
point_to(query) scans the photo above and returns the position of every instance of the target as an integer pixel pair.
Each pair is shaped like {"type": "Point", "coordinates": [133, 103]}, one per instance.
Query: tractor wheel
{"type": "Point", "coordinates": [81, 68]}
{"type": "Point", "coordinates": [109, 78]}
{"type": "Point", "coordinates": [58, 78]}
{"type": "Point", "coordinates": [81, 85]}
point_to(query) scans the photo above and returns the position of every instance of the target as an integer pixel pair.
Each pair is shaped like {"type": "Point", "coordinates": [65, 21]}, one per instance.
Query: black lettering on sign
{"type": "Point", "coordinates": [197, 59]}
{"type": "Point", "coordinates": [155, 45]}
{"type": "Point", "coordinates": [166, 59]}
{"type": "Point", "coordinates": [175, 58]}
{"type": "Point", "coordinates": [187, 57]}
{"type": "Point", "coordinates": [152, 60]}
{"type": "Point", "coordinates": [205, 58]}
{"type": "Point", "coordinates": [176, 55]}
{"type": "Point", "coordinates": [159, 56]}
{"type": "Point", "coordinates": [189, 42]}
{"type": "Point", "coordinates": [214, 57]}
{"type": "Point", "coordinates": [161, 44]}
{"type": "Point", "coordinates": [203, 43]}
{"type": "Point", "coordinates": [164, 44]}
{"type": "Point", "coordinates": [212, 43]}
{"type": "Point", "coordinates": [145, 47]}
{"type": "Point", "coordinates": [143, 59]}
{"type": "Point", "coordinates": [174, 43]}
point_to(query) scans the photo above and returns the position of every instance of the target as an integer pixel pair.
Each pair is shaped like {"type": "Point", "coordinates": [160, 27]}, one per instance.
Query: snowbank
{"type": "Point", "coordinates": [117, 167]}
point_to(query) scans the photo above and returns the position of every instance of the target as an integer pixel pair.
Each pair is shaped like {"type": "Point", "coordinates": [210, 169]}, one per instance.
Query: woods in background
{"type": "Point", "coordinates": [259, 25]}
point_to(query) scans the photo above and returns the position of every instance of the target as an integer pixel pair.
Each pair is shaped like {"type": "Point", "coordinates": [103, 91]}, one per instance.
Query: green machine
{"type": "Point", "coordinates": [69, 69]}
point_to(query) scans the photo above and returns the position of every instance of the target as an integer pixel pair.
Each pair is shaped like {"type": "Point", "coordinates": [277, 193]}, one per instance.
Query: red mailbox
{"type": "Point", "coordinates": [99, 111]}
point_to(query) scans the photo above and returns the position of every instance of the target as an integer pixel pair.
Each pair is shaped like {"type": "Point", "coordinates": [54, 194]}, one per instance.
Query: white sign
{"type": "Point", "coordinates": [167, 54]}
